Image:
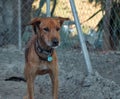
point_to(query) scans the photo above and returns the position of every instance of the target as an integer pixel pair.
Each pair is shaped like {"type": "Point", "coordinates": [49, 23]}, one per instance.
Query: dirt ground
{"type": "Point", "coordinates": [73, 82]}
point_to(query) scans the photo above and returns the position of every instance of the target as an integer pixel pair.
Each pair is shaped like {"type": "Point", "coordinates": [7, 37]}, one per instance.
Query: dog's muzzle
{"type": "Point", "coordinates": [55, 42]}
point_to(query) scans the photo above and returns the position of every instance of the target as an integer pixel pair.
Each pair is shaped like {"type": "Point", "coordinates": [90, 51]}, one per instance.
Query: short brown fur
{"type": "Point", "coordinates": [46, 29]}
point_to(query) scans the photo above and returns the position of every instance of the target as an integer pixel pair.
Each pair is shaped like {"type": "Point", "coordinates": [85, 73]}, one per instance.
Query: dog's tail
{"type": "Point", "coordinates": [13, 78]}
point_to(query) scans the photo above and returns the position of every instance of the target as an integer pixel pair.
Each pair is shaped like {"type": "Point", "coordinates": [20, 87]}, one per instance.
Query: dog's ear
{"type": "Point", "coordinates": [35, 24]}
{"type": "Point", "coordinates": [61, 20]}
{"type": "Point", "coordinates": [34, 21]}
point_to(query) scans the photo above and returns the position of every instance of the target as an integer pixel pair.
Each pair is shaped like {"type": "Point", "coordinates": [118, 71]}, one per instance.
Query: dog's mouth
{"type": "Point", "coordinates": [53, 44]}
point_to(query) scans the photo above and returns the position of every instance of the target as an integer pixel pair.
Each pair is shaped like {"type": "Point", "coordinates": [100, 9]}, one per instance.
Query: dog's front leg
{"type": "Point", "coordinates": [30, 88]}
{"type": "Point", "coordinates": [30, 83]}
{"type": "Point", "coordinates": [54, 79]}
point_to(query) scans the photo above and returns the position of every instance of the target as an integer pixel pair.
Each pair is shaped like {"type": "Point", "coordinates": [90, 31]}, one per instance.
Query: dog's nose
{"type": "Point", "coordinates": [55, 42]}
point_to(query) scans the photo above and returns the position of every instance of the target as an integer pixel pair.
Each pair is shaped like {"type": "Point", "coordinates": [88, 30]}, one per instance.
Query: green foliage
{"type": "Point", "coordinates": [114, 21]}
{"type": "Point", "coordinates": [115, 11]}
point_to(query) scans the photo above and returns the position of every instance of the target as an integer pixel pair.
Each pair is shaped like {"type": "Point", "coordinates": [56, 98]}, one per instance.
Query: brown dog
{"type": "Point", "coordinates": [40, 54]}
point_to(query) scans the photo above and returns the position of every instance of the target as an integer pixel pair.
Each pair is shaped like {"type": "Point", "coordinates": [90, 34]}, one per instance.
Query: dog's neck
{"type": "Point", "coordinates": [44, 52]}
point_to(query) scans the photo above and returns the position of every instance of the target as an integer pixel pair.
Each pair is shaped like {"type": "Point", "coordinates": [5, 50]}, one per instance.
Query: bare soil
{"type": "Point", "coordinates": [104, 83]}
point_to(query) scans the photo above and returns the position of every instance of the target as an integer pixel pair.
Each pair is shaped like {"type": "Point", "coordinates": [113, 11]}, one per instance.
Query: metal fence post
{"type": "Point", "coordinates": [48, 8]}
{"type": "Point", "coordinates": [82, 41]}
{"type": "Point", "coordinates": [19, 25]}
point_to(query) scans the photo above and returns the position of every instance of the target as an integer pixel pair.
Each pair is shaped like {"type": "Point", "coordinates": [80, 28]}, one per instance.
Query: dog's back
{"type": "Point", "coordinates": [28, 46]}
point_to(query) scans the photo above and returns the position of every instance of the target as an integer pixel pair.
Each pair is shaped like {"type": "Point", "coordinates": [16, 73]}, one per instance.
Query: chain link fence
{"type": "Point", "coordinates": [8, 20]}
{"type": "Point", "coordinates": [100, 22]}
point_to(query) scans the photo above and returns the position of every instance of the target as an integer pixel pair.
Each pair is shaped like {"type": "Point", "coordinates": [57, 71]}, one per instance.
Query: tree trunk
{"type": "Point", "coordinates": [106, 26]}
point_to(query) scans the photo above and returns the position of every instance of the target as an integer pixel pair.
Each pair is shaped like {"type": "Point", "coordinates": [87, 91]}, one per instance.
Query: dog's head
{"type": "Point", "coordinates": [47, 29]}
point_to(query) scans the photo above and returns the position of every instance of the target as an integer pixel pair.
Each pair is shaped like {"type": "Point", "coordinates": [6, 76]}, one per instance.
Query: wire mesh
{"type": "Point", "coordinates": [101, 30]}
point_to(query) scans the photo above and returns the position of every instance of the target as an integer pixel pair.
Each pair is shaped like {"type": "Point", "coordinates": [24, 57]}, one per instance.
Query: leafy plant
{"type": "Point", "coordinates": [114, 21]}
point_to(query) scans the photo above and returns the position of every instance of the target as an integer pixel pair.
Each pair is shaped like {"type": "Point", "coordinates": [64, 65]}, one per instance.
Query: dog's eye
{"type": "Point", "coordinates": [46, 29]}
{"type": "Point", "coordinates": [57, 28]}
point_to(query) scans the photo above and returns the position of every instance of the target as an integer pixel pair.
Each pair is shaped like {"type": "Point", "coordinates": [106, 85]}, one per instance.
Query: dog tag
{"type": "Point", "coordinates": [50, 58]}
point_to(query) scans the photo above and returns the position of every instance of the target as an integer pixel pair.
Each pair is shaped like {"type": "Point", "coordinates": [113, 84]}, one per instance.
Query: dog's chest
{"type": "Point", "coordinates": [43, 67]}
